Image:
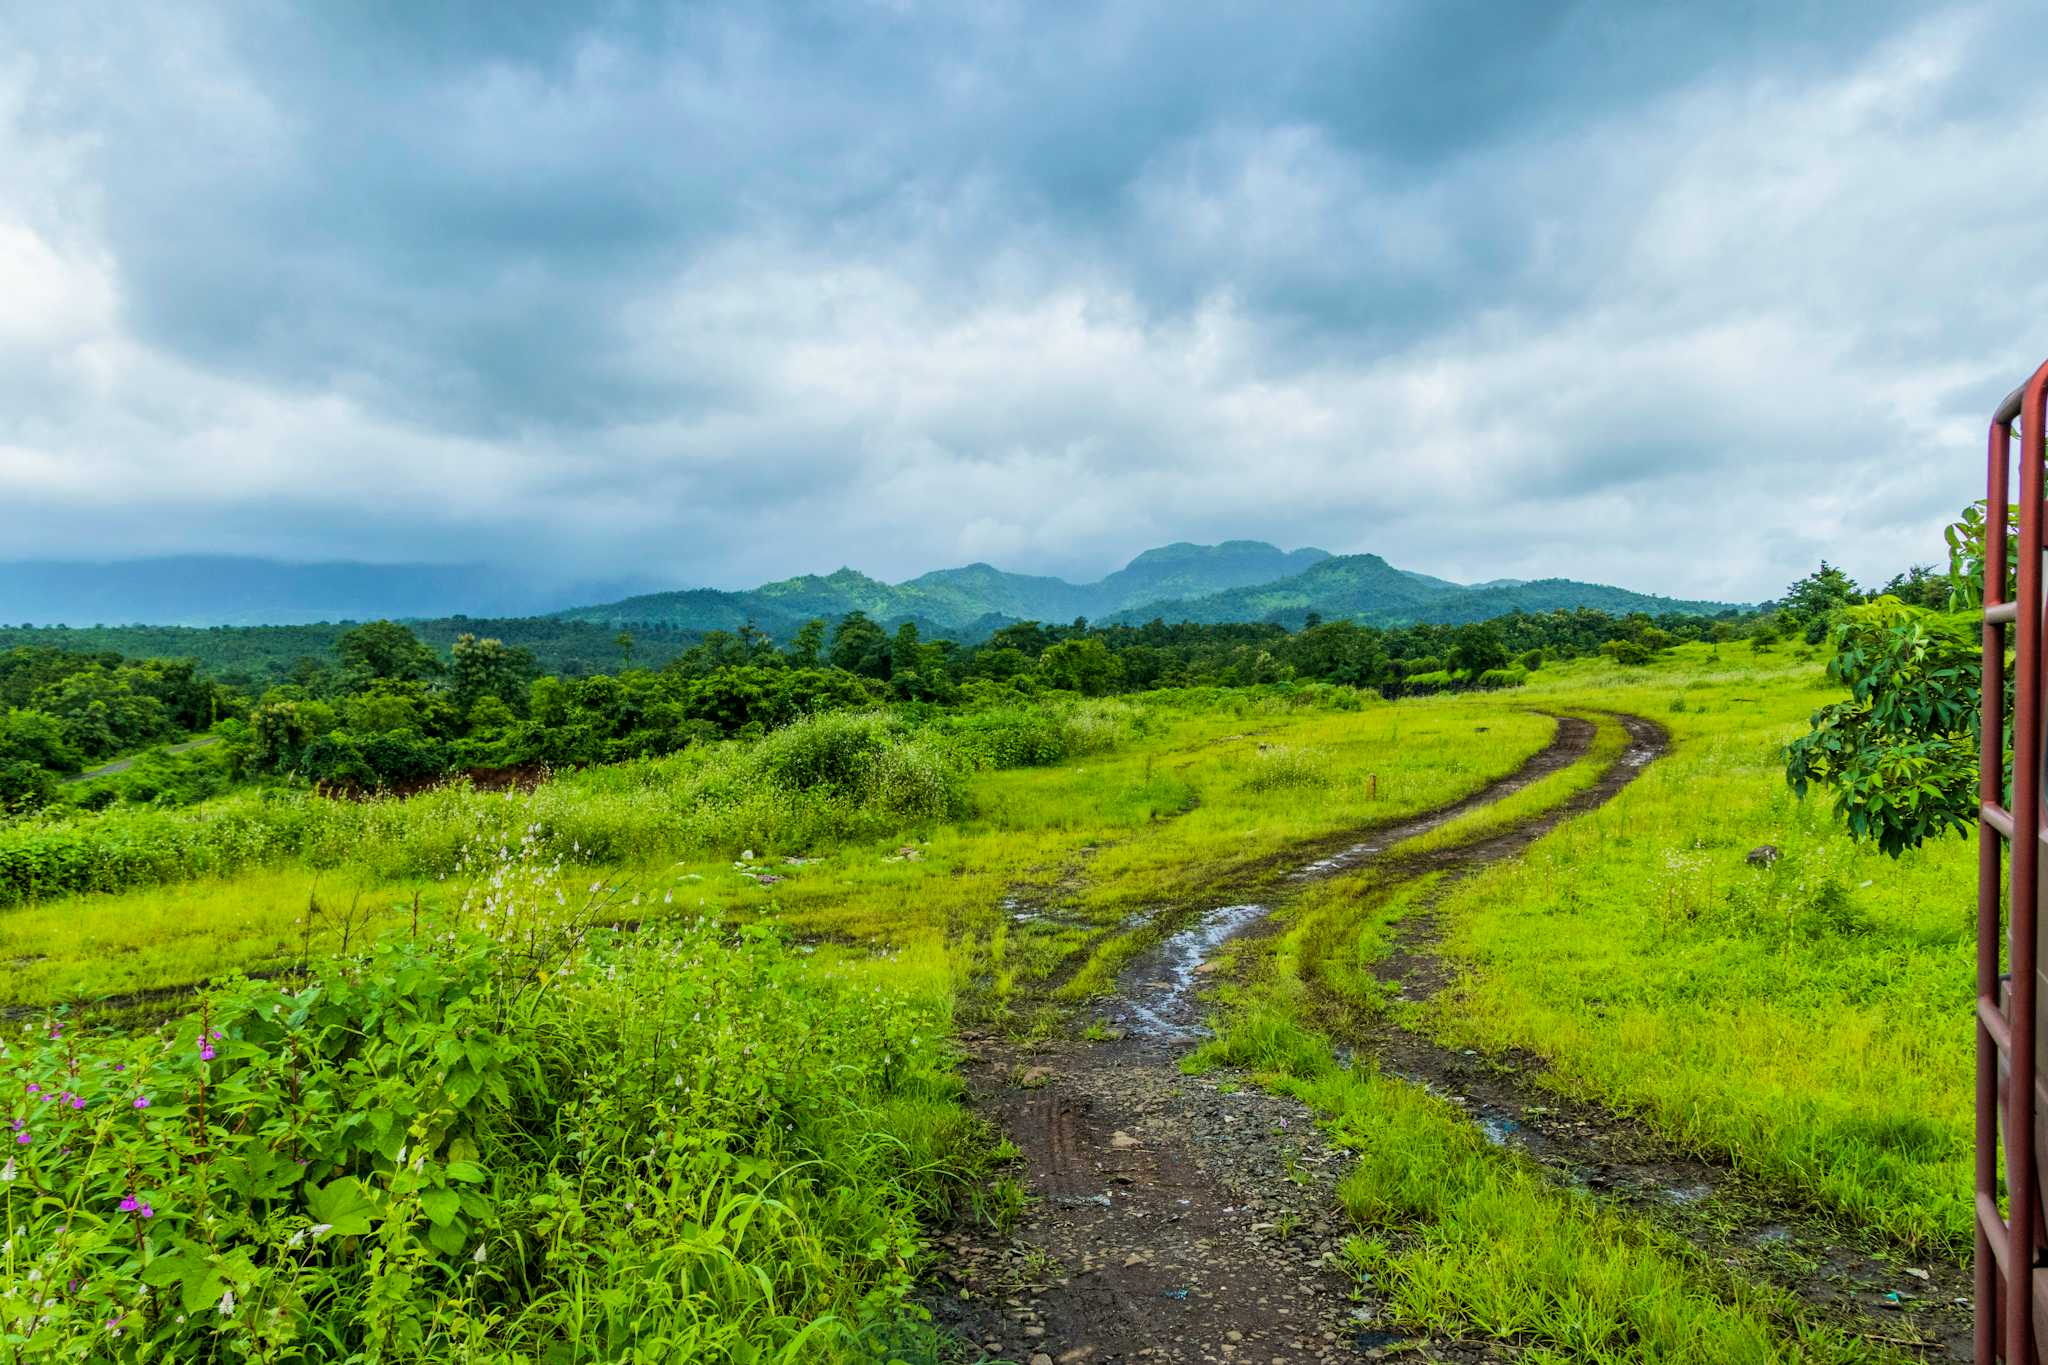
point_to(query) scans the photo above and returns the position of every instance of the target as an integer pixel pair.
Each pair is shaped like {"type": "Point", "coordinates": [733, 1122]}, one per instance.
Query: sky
{"type": "Point", "coordinates": [1682, 298]}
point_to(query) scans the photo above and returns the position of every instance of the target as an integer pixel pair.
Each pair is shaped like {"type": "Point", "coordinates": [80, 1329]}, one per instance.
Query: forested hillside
{"type": "Point", "coordinates": [972, 599]}
{"type": "Point", "coordinates": [1367, 589]}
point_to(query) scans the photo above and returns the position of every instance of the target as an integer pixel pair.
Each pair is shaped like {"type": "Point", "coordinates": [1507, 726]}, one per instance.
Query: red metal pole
{"type": "Point", "coordinates": [1990, 866]}
{"type": "Point", "coordinates": [2026, 857]}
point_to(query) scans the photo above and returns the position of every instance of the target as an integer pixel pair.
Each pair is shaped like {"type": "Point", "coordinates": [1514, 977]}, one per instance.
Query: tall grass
{"type": "Point", "coordinates": [524, 1140]}
{"type": "Point", "coordinates": [830, 777]}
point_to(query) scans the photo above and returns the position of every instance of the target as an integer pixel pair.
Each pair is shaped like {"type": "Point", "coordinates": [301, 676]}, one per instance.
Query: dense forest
{"type": "Point", "coordinates": [384, 705]}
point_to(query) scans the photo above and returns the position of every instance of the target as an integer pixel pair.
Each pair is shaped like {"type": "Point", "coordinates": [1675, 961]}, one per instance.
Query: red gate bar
{"type": "Point", "coordinates": [2011, 1316]}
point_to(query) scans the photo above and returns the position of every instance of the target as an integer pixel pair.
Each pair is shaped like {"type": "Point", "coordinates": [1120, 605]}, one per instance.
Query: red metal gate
{"type": "Point", "coordinates": [2011, 1316]}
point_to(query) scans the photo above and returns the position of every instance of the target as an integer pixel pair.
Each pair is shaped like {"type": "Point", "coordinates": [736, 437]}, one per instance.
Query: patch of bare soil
{"type": "Point", "coordinates": [1176, 1219]}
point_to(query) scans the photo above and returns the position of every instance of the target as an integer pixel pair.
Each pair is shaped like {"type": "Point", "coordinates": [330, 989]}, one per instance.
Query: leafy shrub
{"type": "Point", "coordinates": [1495, 678]}
{"type": "Point", "coordinates": [511, 1139]}
{"type": "Point", "coordinates": [161, 777]}
{"type": "Point", "coordinates": [1628, 653]}
{"type": "Point", "coordinates": [1900, 755]}
{"type": "Point", "coordinates": [1008, 737]}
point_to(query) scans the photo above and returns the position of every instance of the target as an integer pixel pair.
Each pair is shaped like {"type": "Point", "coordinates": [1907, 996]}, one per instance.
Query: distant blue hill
{"type": "Point", "coordinates": [219, 590]}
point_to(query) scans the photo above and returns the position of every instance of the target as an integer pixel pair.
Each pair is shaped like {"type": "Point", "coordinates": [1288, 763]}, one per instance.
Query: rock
{"type": "Point", "coordinates": [1035, 1075]}
{"type": "Point", "coordinates": [1040, 1358]}
{"type": "Point", "coordinates": [1121, 1139]}
{"type": "Point", "coordinates": [1763, 855]}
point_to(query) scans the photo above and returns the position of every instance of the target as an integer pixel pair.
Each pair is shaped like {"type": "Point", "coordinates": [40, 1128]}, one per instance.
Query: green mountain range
{"type": "Point", "coordinates": [1367, 589]}
{"type": "Point", "coordinates": [1239, 580]}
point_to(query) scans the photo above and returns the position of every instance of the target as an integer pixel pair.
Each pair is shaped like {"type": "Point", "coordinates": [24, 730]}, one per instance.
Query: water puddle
{"type": "Point", "coordinates": [1337, 862]}
{"type": "Point", "coordinates": [1499, 1131]}
{"type": "Point", "coordinates": [1158, 998]}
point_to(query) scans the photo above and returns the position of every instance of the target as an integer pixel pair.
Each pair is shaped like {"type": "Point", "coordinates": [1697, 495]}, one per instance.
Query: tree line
{"type": "Point", "coordinates": [386, 707]}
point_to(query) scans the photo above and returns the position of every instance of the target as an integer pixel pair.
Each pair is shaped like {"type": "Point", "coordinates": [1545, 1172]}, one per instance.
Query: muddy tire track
{"type": "Point", "coordinates": [1180, 1218]}
{"type": "Point", "coordinates": [1854, 1280]}
{"type": "Point", "coordinates": [1305, 861]}
{"type": "Point", "coordinates": [1184, 1218]}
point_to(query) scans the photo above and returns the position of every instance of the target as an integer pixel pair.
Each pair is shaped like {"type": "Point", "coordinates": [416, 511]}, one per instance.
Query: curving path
{"type": "Point", "coordinates": [1180, 1218]}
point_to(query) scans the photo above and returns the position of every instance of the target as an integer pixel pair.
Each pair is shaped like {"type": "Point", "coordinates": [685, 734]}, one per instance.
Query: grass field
{"type": "Point", "coordinates": [1806, 1022]}
{"type": "Point", "coordinates": [1810, 1020]}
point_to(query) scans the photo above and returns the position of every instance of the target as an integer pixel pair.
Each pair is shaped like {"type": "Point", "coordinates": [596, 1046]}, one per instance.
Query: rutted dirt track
{"type": "Point", "coordinates": [1193, 1219]}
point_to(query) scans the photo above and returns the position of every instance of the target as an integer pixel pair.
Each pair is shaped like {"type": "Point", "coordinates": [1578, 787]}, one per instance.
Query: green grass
{"type": "Point", "coordinates": [1609, 739]}
{"type": "Point", "coordinates": [1090, 844]}
{"type": "Point", "coordinates": [1810, 1022]}
{"type": "Point", "coordinates": [1458, 1238]}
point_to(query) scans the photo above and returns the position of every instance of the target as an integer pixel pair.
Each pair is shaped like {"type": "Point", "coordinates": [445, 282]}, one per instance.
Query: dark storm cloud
{"type": "Point", "coordinates": [1670, 297]}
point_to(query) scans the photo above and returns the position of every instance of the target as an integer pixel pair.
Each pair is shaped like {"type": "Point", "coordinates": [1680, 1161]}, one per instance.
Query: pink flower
{"type": "Point", "coordinates": [142, 1101]}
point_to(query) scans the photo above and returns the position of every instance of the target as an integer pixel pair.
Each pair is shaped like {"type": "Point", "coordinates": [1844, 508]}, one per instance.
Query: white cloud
{"type": "Point", "coordinates": [1687, 343]}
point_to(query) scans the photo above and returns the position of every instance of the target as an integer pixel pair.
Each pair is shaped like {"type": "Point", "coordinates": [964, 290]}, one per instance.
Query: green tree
{"type": "Point", "coordinates": [1339, 652]}
{"type": "Point", "coordinates": [280, 730]}
{"type": "Point", "coordinates": [385, 649]}
{"type": "Point", "coordinates": [1900, 755]}
{"type": "Point", "coordinates": [486, 668]}
{"type": "Point", "coordinates": [1477, 648]}
{"type": "Point", "coordinates": [1822, 592]}
{"type": "Point", "coordinates": [808, 648]}
{"type": "Point", "coordinates": [382, 709]}
{"type": "Point", "coordinates": [903, 650]}
{"type": "Point", "coordinates": [1084, 666]}
{"type": "Point", "coordinates": [860, 646]}
{"type": "Point", "coordinates": [1921, 585]}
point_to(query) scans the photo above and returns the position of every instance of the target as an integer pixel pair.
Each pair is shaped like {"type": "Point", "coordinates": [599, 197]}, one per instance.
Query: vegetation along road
{"type": "Point", "coordinates": [122, 765]}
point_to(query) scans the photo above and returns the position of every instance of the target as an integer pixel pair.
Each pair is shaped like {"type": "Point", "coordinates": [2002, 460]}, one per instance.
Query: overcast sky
{"type": "Point", "coordinates": [1626, 292]}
